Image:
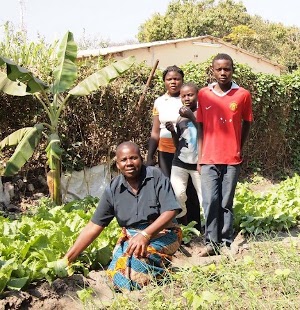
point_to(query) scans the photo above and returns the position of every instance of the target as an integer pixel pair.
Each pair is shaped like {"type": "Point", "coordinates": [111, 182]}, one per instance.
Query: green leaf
{"type": "Point", "coordinates": [60, 267]}
{"type": "Point", "coordinates": [24, 149]}
{"type": "Point", "coordinates": [102, 77]}
{"type": "Point", "coordinates": [39, 241]}
{"type": "Point", "coordinates": [17, 283]}
{"type": "Point", "coordinates": [66, 71]}
{"type": "Point", "coordinates": [15, 138]}
{"type": "Point", "coordinates": [10, 87]}
{"type": "Point", "coordinates": [197, 302]}
{"type": "Point", "coordinates": [104, 255]}
{"type": "Point", "coordinates": [188, 231]}
{"type": "Point", "coordinates": [6, 269]}
{"type": "Point", "coordinates": [209, 297]}
{"type": "Point", "coordinates": [282, 272]}
{"type": "Point", "coordinates": [85, 294]}
{"type": "Point", "coordinates": [4, 278]}
{"type": "Point", "coordinates": [18, 73]}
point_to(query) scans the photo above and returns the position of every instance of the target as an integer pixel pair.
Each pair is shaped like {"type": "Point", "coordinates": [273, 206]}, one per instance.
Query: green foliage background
{"type": "Point", "coordinates": [229, 21]}
{"type": "Point", "coordinates": [93, 126]}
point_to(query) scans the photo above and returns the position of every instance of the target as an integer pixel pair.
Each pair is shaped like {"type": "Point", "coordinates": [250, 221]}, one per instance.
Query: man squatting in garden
{"type": "Point", "coordinates": [143, 202]}
{"type": "Point", "coordinates": [224, 116]}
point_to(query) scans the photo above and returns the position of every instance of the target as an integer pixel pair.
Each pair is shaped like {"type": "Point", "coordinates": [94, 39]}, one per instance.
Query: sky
{"type": "Point", "coordinates": [115, 21]}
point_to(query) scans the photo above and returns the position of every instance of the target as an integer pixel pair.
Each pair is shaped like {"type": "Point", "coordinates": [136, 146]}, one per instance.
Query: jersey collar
{"type": "Point", "coordinates": [233, 86]}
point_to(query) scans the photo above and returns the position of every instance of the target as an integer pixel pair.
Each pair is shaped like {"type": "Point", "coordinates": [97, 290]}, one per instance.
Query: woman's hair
{"type": "Point", "coordinates": [172, 69]}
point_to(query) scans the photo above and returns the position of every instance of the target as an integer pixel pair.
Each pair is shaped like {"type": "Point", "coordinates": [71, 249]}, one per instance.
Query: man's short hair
{"type": "Point", "coordinates": [222, 56]}
{"type": "Point", "coordinates": [192, 85]}
{"type": "Point", "coordinates": [129, 144]}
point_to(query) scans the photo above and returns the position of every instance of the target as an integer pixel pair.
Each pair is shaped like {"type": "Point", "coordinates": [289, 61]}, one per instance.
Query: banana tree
{"type": "Point", "coordinates": [19, 81]}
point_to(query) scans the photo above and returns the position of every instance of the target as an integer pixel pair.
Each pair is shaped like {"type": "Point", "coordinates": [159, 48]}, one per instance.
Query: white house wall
{"type": "Point", "coordinates": [180, 53]}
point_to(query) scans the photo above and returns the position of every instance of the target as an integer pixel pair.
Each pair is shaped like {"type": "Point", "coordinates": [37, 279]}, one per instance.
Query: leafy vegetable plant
{"type": "Point", "coordinates": [32, 248]}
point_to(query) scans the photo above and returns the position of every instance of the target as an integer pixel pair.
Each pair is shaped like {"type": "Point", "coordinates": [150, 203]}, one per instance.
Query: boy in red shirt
{"type": "Point", "coordinates": [224, 116]}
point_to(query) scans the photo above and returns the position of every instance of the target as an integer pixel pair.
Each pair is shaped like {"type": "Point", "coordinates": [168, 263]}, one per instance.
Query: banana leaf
{"type": "Point", "coordinates": [28, 140]}
{"type": "Point", "coordinates": [102, 77]}
{"type": "Point", "coordinates": [11, 88]}
{"type": "Point", "coordinates": [18, 73]}
{"type": "Point", "coordinates": [15, 138]}
{"type": "Point", "coordinates": [66, 71]}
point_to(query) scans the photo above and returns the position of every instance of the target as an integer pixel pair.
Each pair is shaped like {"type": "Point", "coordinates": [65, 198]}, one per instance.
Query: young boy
{"type": "Point", "coordinates": [186, 156]}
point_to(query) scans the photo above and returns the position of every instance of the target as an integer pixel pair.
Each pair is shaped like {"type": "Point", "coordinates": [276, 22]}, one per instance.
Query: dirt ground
{"type": "Point", "coordinates": [61, 294]}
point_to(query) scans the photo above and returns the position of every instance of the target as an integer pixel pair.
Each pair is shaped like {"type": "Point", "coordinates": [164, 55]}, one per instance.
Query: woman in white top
{"type": "Point", "coordinates": [166, 109]}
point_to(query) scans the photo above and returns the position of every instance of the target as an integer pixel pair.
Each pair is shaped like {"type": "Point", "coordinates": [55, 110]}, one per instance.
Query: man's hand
{"type": "Point", "coordinates": [170, 126]}
{"type": "Point", "coordinates": [137, 246]}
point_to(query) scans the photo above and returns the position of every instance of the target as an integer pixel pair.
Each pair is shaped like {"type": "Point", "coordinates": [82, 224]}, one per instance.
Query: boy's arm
{"type": "Point", "coordinates": [245, 132]}
{"type": "Point", "coordinates": [170, 127]}
{"type": "Point", "coordinates": [200, 141]}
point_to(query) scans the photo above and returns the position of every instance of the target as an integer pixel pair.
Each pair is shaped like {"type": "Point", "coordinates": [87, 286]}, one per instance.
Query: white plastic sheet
{"type": "Point", "coordinates": [6, 192]}
{"type": "Point", "coordinates": [90, 181]}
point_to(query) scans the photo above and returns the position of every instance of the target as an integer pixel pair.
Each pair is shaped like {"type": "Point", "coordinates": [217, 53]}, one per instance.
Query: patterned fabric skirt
{"type": "Point", "coordinates": [129, 272]}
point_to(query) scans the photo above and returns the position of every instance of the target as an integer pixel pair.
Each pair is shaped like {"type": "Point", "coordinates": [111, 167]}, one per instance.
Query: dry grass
{"type": "Point", "coordinates": [263, 275]}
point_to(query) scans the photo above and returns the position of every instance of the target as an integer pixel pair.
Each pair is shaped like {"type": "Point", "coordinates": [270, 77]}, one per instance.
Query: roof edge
{"type": "Point", "coordinates": [121, 48]}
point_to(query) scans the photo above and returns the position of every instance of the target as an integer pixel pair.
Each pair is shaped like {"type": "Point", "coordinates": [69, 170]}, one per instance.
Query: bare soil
{"type": "Point", "coordinates": [61, 294]}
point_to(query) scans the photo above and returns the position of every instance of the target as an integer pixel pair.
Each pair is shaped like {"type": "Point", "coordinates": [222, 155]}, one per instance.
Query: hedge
{"type": "Point", "coordinates": [92, 127]}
